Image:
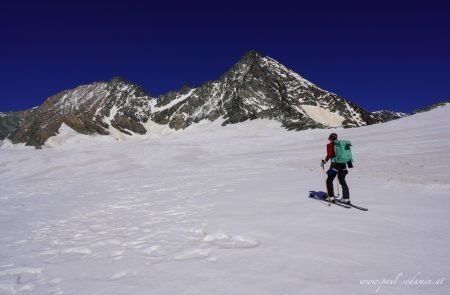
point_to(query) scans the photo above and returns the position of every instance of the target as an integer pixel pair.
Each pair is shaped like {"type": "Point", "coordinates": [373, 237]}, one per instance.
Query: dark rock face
{"type": "Point", "coordinates": [9, 122]}
{"type": "Point", "coordinates": [255, 87]}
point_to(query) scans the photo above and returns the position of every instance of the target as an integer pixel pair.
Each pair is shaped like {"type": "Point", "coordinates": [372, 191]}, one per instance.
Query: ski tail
{"type": "Point", "coordinates": [353, 206]}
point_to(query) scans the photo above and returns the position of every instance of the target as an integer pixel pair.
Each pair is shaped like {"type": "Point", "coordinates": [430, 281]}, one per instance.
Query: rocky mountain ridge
{"type": "Point", "coordinates": [385, 115]}
{"type": "Point", "coordinates": [255, 87]}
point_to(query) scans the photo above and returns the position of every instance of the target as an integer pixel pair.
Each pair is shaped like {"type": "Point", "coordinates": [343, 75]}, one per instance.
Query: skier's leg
{"type": "Point", "coordinates": [341, 176]}
{"type": "Point", "coordinates": [331, 176]}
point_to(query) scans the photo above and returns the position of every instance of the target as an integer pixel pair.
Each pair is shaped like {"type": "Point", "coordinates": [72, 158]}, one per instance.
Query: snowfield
{"type": "Point", "coordinates": [224, 210]}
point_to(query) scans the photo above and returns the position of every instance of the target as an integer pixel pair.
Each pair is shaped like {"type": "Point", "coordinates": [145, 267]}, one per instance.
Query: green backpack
{"type": "Point", "coordinates": [342, 152]}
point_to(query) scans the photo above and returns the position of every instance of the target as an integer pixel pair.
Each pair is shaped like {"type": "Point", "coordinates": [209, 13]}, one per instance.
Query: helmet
{"type": "Point", "coordinates": [333, 136]}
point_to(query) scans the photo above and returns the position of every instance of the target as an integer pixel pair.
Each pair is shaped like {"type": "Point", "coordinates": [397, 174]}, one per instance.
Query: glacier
{"type": "Point", "coordinates": [225, 211]}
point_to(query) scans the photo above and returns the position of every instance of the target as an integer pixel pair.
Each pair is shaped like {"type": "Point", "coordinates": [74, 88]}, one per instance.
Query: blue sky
{"type": "Point", "coordinates": [378, 54]}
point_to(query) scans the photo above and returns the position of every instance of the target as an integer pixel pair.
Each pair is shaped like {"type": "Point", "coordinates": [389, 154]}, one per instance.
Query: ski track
{"type": "Point", "coordinates": [210, 211]}
{"type": "Point", "coordinates": [128, 214]}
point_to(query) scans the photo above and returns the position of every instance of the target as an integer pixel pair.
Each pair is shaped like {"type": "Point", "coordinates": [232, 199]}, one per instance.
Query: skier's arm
{"type": "Point", "coordinates": [329, 152]}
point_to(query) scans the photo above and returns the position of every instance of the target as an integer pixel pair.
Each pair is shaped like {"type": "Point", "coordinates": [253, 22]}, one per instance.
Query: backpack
{"type": "Point", "coordinates": [342, 152]}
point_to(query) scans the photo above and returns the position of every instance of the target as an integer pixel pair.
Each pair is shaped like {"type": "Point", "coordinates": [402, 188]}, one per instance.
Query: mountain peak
{"type": "Point", "coordinates": [250, 56]}
{"type": "Point", "coordinates": [117, 80]}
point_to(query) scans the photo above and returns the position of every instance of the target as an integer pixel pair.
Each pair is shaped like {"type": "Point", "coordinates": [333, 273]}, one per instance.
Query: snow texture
{"type": "Point", "coordinates": [174, 102]}
{"type": "Point", "coordinates": [225, 211]}
{"type": "Point", "coordinates": [323, 116]}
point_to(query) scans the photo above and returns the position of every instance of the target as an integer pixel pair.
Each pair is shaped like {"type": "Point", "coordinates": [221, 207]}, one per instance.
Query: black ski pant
{"type": "Point", "coordinates": [339, 170]}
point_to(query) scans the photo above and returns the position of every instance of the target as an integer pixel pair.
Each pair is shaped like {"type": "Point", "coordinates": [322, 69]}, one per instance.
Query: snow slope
{"type": "Point", "coordinates": [224, 211]}
{"type": "Point", "coordinates": [323, 116]}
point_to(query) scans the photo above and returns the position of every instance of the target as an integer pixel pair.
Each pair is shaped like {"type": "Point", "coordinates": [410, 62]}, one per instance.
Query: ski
{"type": "Point", "coordinates": [353, 206]}
{"type": "Point", "coordinates": [328, 203]}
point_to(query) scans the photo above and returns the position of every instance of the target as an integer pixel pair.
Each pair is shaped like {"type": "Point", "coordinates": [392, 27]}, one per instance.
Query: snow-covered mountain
{"type": "Point", "coordinates": [260, 87]}
{"type": "Point", "coordinates": [385, 115]}
{"type": "Point", "coordinates": [95, 108]}
{"type": "Point", "coordinates": [255, 87]}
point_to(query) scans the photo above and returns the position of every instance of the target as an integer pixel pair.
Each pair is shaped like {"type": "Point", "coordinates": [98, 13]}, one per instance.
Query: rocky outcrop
{"type": "Point", "coordinates": [9, 122]}
{"type": "Point", "coordinates": [385, 116]}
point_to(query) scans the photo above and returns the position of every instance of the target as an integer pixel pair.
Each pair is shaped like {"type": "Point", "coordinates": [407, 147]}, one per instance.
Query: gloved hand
{"type": "Point", "coordinates": [322, 163]}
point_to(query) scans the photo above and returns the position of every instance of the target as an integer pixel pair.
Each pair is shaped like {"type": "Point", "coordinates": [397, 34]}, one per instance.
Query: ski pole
{"type": "Point", "coordinates": [337, 184]}
{"type": "Point", "coordinates": [325, 181]}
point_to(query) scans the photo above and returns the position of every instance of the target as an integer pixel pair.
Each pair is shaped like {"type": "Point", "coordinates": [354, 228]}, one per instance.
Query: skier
{"type": "Point", "coordinates": [336, 169]}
